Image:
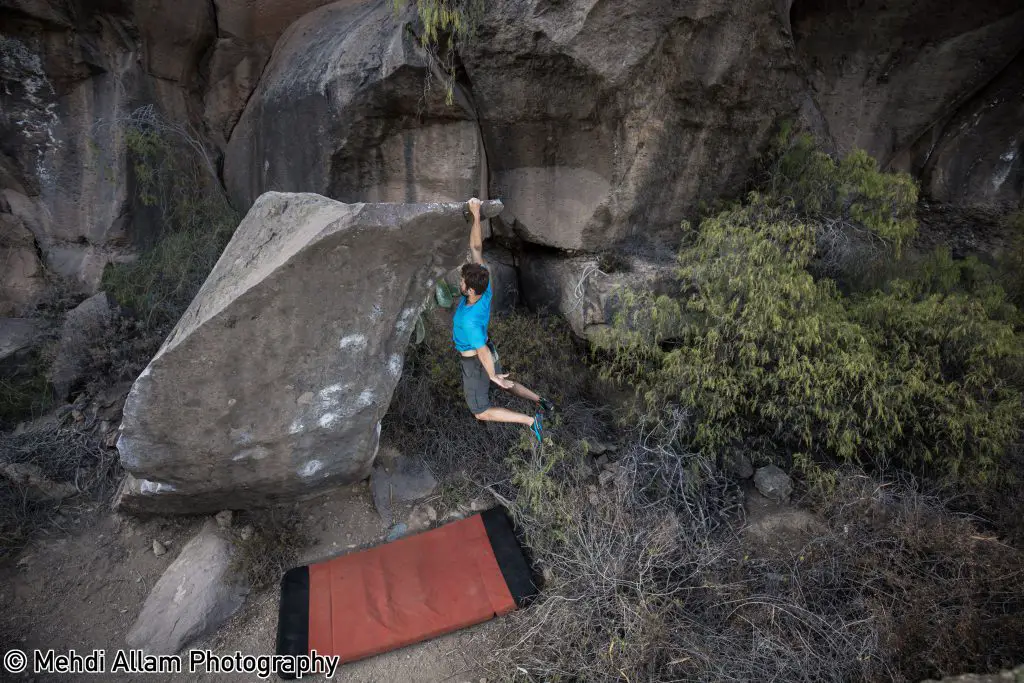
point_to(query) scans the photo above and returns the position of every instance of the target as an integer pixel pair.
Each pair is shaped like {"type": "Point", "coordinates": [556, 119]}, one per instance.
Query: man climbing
{"type": "Point", "coordinates": [480, 364]}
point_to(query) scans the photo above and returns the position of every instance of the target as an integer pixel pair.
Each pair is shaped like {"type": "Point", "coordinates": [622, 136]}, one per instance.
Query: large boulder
{"type": "Point", "coordinates": [341, 111]}
{"type": "Point", "coordinates": [274, 381]}
{"type": "Point", "coordinates": [610, 117]}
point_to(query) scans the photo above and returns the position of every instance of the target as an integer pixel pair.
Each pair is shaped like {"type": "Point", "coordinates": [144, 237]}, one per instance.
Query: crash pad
{"type": "Point", "coordinates": [413, 589]}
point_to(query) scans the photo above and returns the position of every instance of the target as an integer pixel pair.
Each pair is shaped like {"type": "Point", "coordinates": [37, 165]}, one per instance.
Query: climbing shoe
{"type": "Point", "coordinates": [538, 428]}
{"type": "Point", "coordinates": [546, 406]}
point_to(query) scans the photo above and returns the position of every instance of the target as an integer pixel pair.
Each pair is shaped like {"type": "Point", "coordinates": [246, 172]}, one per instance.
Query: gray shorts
{"type": "Point", "coordinates": [476, 385]}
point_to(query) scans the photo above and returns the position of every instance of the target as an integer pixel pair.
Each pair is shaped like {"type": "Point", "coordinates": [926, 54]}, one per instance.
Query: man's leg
{"type": "Point", "coordinates": [522, 392]}
{"type": "Point", "coordinates": [476, 386]}
{"type": "Point", "coordinates": [495, 414]}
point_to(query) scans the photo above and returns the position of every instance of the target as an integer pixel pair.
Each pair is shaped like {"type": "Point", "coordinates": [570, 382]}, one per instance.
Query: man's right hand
{"type": "Point", "coordinates": [474, 207]}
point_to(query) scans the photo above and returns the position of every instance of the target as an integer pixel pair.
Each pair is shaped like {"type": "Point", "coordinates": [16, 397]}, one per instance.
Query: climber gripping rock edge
{"type": "Point", "coordinates": [479, 358]}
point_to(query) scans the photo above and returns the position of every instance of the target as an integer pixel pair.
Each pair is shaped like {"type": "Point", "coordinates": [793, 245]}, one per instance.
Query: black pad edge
{"type": "Point", "coordinates": [293, 615]}
{"type": "Point", "coordinates": [510, 555]}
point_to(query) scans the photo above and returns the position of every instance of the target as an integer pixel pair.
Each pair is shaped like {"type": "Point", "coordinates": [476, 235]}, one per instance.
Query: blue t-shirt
{"type": "Point", "coordinates": [469, 328]}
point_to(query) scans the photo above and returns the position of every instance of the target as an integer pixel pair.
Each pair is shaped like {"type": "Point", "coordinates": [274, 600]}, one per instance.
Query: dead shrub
{"type": "Point", "coordinates": [271, 549]}
{"type": "Point", "coordinates": [646, 576]}
{"type": "Point", "coordinates": [55, 455]}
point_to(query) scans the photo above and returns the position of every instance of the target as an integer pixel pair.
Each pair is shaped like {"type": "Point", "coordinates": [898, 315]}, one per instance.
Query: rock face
{"type": "Point", "coordinates": [606, 118]}
{"type": "Point", "coordinates": [67, 73]}
{"type": "Point", "coordinates": [196, 594]}
{"type": "Point", "coordinates": [594, 119]}
{"type": "Point", "coordinates": [977, 156]}
{"type": "Point", "coordinates": [19, 339]}
{"type": "Point", "coordinates": [247, 32]}
{"type": "Point", "coordinates": [274, 382]}
{"type": "Point", "coordinates": [341, 111]}
{"type": "Point", "coordinates": [22, 281]}
{"type": "Point", "coordinates": [883, 73]}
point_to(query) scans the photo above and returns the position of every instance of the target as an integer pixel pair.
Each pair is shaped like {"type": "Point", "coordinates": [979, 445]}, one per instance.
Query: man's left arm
{"type": "Point", "coordinates": [487, 360]}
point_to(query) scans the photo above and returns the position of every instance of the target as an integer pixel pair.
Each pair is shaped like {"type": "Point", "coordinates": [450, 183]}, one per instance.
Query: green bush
{"type": "Point", "coordinates": [772, 360]}
{"type": "Point", "coordinates": [25, 395]}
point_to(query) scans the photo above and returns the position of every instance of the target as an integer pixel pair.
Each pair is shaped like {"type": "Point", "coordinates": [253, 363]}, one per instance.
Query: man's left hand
{"type": "Point", "coordinates": [502, 382]}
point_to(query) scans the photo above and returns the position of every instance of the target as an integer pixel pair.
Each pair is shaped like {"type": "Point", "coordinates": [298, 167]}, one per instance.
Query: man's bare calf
{"type": "Point", "coordinates": [494, 414]}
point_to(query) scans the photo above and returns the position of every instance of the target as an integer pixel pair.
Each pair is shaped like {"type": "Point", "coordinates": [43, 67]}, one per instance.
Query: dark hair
{"type": "Point", "coordinates": [476, 277]}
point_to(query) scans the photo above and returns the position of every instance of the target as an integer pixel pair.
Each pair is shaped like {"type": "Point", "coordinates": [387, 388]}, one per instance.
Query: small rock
{"type": "Point", "coordinates": [599, 447]}
{"type": "Point", "coordinates": [548, 574]}
{"type": "Point", "coordinates": [159, 548]}
{"type": "Point", "coordinates": [740, 466]}
{"type": "Point", "coordinates": [421, 517]}
{"type": "Point", "coordinates": [606, 477]}
{"type": "Point", "coordinates": [35, 483]}
{"type": "Point", "coordinates": [246, 532]}
{"type": "Point", "coordinates": [397, 531]}
{"type": "Point", "coordinates": [773, 483]}
{"type": "Point", "coordinates": [224, 518]}
{"type": "Point", "coordinates": [601, 462]}
{"type": "Point", "coordinates": [399, 479]}
{"type": "Point", "coordinates": [479, 505]}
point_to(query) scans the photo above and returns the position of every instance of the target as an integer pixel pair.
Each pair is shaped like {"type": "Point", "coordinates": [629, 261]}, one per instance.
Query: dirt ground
{"type": "Point", "coordinates": [82, 586]}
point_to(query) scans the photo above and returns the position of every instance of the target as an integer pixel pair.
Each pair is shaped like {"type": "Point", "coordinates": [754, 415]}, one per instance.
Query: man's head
{"type": "Point", "coordinates": [474, 277]}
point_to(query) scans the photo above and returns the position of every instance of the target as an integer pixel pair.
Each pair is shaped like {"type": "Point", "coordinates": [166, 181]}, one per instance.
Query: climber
{"type": "Point", "coordinates": [480, 364]}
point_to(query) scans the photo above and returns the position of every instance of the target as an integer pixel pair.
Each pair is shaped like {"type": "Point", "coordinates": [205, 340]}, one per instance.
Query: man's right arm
{"type": "Point", "coordinates": [476, 240]}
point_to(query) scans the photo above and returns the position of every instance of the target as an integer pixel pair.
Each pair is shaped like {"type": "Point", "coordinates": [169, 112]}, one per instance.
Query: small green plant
{"type": "Point", "coordinates": [1011, 263]}
{"type": "Point", "coordinates": [172, 176]}
{"type": "Point", "coordinates": [445, 24]}
{"type": "Point", "coordinates": [25, 395]}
